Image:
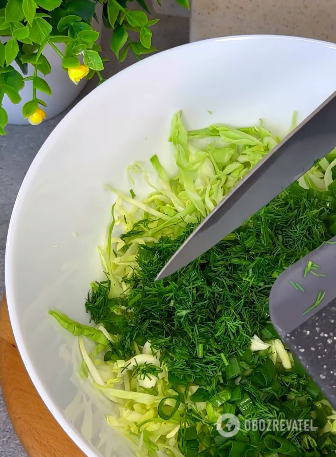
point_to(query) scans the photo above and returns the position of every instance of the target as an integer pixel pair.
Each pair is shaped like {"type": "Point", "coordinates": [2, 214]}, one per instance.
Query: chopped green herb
{"type": "Point", "coordinates": [132, 193]}
{"type": "Point", "coordinates": [310, 267]}
{"type": "Point", "coordinates": [318, 274]}
{"type": "Point", "coordinates": [145, 370]}
{"type": "Point", "coordinates": [320, 297]}
{"type": "Point", "coordinates": [297, 286]}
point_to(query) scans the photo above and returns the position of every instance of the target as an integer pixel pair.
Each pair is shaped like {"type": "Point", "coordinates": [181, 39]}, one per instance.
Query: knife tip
{"type": "Point", "coordinates": [168, 269]}
{"type": "Point", "coordinates": [162, 274]}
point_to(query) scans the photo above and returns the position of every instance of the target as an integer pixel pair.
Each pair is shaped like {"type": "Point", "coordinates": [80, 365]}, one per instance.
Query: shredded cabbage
{"type": "Point", "coordinates": [210, 162]}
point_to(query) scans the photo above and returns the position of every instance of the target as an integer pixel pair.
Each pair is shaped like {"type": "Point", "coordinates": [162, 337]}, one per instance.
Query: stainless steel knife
{"type": "Point", "coordinates": [311, 140]}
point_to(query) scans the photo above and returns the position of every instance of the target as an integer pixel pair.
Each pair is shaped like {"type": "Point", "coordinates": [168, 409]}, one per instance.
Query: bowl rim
{"type": "Point", "coordinates": [76, 437]}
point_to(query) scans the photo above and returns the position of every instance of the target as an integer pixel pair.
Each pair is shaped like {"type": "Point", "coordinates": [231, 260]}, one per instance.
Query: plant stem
{"type": "Point", "coordinates": [34, 90]}
{"type": "Point", "coordinates": [44, 42]}
{"type": "Point", "coordinates": [100, 76]}
{"type": "Point", "coordinates": [55, 48]}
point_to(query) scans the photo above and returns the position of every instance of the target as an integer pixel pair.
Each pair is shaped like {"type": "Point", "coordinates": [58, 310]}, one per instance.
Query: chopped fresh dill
{"type": "Point", "coordinates": [320, 297]}
{"type": "Point", "coordinates": [145, 370]}
{"type": "Point", "coordinates": [318, 274]}
{"type": "Point", "coordinates": [297, 286]}
{"type": "Point", "coordinates": [310, 267]}
{"type": "Point", "coordinates": [205, 314]}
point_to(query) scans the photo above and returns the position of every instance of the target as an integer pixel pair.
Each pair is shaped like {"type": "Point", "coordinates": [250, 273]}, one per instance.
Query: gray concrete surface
{"type": "Point", "coordinates": [17, 150]}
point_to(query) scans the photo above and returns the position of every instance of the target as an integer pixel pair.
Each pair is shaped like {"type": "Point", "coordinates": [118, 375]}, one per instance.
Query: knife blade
{"type": "Point", "coordinates": [311, 140]}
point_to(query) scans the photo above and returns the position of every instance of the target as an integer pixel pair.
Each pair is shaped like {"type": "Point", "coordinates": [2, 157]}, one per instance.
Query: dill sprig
{"type": "Point", "coordinates": [145, 370]}
{"type": "Point", "coordinates": [320, 297]}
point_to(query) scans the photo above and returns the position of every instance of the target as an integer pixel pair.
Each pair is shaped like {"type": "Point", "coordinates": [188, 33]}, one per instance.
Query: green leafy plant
{"type": "Point", "coordinates": [27, 26]}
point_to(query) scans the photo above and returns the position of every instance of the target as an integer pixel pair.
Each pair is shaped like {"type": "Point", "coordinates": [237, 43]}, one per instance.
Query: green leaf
{"type": "Point", "coordinates": [30, 58]}
{"type": "Point", "coordinates": [3, 117]}
{"type": "Point", "coordinates": [43, 65]}
{"type": "Point", "coordinates": [13, 11]}
{"type": "Point", "coordinates": [3, 24]}
{"type": "Point", "coordinates": [130, 27]}
{"type": "Point", "coordinates": [78, 329]}
{"type": "Point", "coordinates": [41, 85]}
{"type": "Point", "coordinates": [44, 26]}
{"type": "Point", "coordinates": [20, 32]}
{"type": "Point", "coordinates": [39, 15]}
{"type": "Point", "coordinates": [146, 37]}
{"type": "Point", "coordinates": [90, 74]}
{"type": "Point", "coordinates": [153, 22]}
{"type": "Point", "coordinates": [12, 94]}
{"type": "Point", "coordinates": [118, 39]}
{"type": "Point", "coordinates": [143, 5]}
{"type": "Point", "coordinates": [26, 41]}
{"type": "Point", "coordinates": [29, 10]}
{"type": "Point", "coordinates": [112, 12]}
{"type": "Point", "coordinates": [96, 47]}
{"type": "Point", "coordinates": [15, 80]}
{"type": "Point", "coordinates": [124, 53]}
{"type": "Point", "coordinates": [79, 27]}
{"type": "Point", "coordinates": [11, 50]}
{"type": "Point", "coordinates": [135, 18]}
{"type": "Point", "coordinates": [29, 48]}
{"type": "Point", "coordinates": [70, 62]}
{"type": "Point", "coordinates": [2, 131]}
{"type": "Point", "coordinates": [83, 8]}
{"type": "Point", "coordinates": [29, 108]}
{"type": "Point", "coordinates": [67, 21]}
{"type": "Point", "coordinates": [69, 47]}
{"type": "Point", "coordinates": [76, 50]}
{"type": "Point", "coordinates": [88, 35]}
{"type": "Point", "coordinates": [2, 55]}
{"type": "Point", "coordinates": [139, 49]}
{"type": "Point", "coordinates": [184, 3]}
{"type": "Point", "coordinates": [40, 30]}
{"type": "Point", "coordinates": [60, 38]}
{"type": "Point", "coordinates": [6, 69]}
{"type": "Point", "coordinates": [93, 60]}
{"type": "Point", "coordinates": [49, 5]}
{"type": "Point", "coordinates": [41, 102]}
{"type": "Point", "coordinates": [105, 18]}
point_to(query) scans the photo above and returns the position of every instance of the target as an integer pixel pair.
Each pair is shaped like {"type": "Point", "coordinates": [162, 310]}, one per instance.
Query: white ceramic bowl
{"type": "Point", "coordinates": [240, 79]}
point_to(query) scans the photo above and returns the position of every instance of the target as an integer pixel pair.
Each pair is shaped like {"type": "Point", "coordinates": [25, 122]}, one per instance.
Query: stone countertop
{"type": "Point", "coordinates": [304, 18]}
{"type": "Point", "coordinates": [19, 147]}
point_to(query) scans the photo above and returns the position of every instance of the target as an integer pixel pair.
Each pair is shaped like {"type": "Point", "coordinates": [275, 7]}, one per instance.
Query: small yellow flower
{"type": "Point", "coordinates": [37, 117]}
{"type": "Point", "coordinates": [78, 73]}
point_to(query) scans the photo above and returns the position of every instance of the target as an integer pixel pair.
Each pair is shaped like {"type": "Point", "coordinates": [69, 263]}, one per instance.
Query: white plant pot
{"type": "Point", "coordinates": [64, 91]}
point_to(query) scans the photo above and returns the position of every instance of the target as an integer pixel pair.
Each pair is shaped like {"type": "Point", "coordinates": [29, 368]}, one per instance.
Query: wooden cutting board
{"type": "Point", "coordinates": [38, 431]}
